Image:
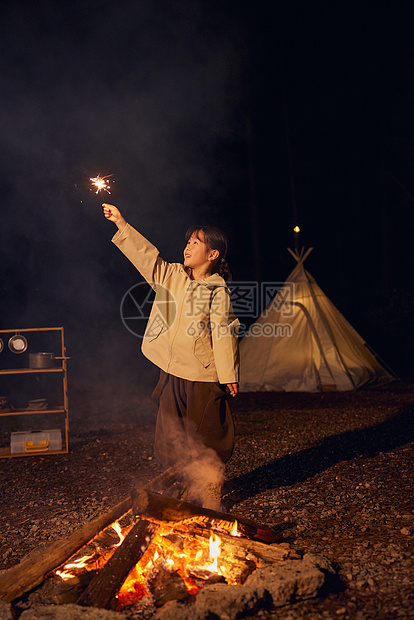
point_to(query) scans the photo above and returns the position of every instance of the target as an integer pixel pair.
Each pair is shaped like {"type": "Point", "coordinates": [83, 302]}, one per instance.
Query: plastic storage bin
{"type": "Point", "coordinates": [35, 442]}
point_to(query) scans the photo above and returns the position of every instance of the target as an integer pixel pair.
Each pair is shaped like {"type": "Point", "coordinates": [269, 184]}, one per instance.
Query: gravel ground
{"type": "Point", "coordinates": [331, 472]}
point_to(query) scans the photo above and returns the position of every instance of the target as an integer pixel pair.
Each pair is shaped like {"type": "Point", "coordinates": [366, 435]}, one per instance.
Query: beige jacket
{"type": "Point", "coordinates": [191, 331]}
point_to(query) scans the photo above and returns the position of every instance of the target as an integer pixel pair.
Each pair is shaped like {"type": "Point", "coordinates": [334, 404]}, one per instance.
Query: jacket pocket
{"type": "Point", "coordinates": [203, 352]}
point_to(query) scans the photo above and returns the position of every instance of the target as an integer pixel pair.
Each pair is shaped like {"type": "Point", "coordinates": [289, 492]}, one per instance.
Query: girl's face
{"type": "Point", "coordinates": [196, 253]}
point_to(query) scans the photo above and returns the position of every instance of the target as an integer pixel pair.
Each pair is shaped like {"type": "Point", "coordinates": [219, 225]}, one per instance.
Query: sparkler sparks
{"type": "Point", "coordinates": [101, 183]}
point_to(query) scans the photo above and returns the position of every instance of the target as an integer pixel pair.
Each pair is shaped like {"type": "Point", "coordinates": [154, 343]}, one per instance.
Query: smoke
{"type": "Point", "coordinates": [203, 478]}
{"type": "Point", "coordinates": [148, 92]}
{"type": "Point", "coordinates": [201, 470]}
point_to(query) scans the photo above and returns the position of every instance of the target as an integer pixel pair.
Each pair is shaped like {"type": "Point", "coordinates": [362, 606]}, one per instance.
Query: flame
{"type": "Point", "coordinates": [121, 533]}
{"type": "Point", "coordinates": [101, 183]}
{"type": "Point", "coordinates": [68, 570]}
{"type": "Point", "coordinates": [214, 547]}
{"type": "Point", "coordinates": [234, 530]}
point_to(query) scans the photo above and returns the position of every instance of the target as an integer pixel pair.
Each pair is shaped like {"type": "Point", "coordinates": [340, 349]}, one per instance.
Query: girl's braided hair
{"type": "Point", "coordinates": [215, 239]}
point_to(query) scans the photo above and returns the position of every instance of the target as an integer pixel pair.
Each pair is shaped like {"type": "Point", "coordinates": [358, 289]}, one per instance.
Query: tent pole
{"type": "Point", "coordinates": [381, 361]}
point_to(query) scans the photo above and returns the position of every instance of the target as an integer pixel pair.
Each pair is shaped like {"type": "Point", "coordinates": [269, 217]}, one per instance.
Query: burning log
{"type": "Point", "coordinates": [31, 571]}
{"type": "Point", "coordinates": [156, 506]}
{"type": "Point", "coordinates": [103, 589]}
{"type": "Point", "coordinates": [236, 546]}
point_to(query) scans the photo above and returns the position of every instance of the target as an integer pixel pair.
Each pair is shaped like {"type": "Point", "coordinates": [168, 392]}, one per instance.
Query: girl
{"type": "Point", "coordinates": [191, 336]}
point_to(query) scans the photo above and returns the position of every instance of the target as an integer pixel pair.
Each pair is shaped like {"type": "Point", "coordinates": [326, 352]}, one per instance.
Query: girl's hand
{"type": "Point", "coordinates": [233, 388]}
{"type": "Point", "coordinates": [114, 215]}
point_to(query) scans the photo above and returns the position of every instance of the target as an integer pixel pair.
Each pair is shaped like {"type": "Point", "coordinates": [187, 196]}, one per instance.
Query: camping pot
{"type": "Point", "coordinates": [41, 360]}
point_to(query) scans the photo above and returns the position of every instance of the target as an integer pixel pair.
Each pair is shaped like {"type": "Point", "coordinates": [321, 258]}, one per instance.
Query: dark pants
{"type": "Point", "coordinates": [192, 415]}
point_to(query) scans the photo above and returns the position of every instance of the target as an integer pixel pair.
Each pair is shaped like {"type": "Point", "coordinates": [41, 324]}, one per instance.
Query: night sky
{"type": "Point", "coordinates": [253, 116]}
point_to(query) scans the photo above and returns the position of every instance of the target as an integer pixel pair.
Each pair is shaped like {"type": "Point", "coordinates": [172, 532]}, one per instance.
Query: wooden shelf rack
{"type": "Point", "coordinates": [61, 409]}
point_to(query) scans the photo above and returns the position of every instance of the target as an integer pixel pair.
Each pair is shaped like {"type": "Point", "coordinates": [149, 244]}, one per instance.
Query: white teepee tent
{"type": "Point", "coordinates": [302, 343]}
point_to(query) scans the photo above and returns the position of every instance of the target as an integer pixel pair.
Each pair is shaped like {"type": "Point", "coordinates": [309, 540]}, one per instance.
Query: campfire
{"type": "Point", "coordinates": [155, 547]}
{"type": "Point", "coordinates": [167, 549]}
{"type": "Point", "coordinates": [177, 560]}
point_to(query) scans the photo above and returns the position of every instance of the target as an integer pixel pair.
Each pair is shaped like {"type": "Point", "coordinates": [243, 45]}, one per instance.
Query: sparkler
{"type": "Point", "coordinates": [101, 183]}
